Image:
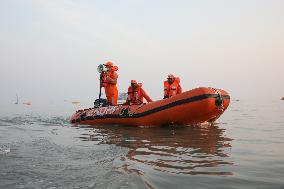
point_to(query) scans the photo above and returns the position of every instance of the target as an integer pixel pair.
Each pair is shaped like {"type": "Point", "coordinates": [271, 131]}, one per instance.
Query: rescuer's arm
{"type": "Point", "coordinates": [112, 79]}
{"type": "Point", "coordinates": [145, 95]}
{"type": "Point", "coordinates": [179, 89]}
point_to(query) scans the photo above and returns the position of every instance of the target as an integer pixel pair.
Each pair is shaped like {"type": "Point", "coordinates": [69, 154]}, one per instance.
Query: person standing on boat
{"type": "Point", "coordinates": [109, 81]}
{"type": "Point", "coordinates": [136, 94]}
{"type": "Point", "coordinates": [172, 86]}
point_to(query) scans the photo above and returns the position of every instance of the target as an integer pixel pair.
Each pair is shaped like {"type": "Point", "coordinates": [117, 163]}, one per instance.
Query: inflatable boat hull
{"type": "Point", "coordinates": [191, 107]}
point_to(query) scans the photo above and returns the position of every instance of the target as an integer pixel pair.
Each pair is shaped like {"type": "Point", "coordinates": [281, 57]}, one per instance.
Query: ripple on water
{"type": "Point", "coordinates": [40, 152]}
{"type": "Point", "coordinates": [194, 150]}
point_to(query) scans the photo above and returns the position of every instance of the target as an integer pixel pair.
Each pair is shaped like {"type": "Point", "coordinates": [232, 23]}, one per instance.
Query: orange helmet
{"type": "Point", "coordinates": [133, 82]}
{"type": "Point", "coordinates": [171, 76]}
{"type": "Point", "coordinates": [109, 63]}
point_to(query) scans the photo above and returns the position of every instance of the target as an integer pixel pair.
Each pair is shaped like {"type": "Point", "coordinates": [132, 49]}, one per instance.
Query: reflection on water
{"type": "Point", "coordinates": [38, 150]}
{"type": "Point", "coordinates": [191, 150]}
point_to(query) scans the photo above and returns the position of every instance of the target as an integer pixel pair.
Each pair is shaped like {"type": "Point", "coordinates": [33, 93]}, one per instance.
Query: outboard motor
{"type": "Point", "coordinates": [100, 102]}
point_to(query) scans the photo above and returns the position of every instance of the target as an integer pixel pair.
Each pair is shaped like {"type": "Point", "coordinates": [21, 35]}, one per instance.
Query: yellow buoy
{"type": "Point", "coordinates": [75, 102]}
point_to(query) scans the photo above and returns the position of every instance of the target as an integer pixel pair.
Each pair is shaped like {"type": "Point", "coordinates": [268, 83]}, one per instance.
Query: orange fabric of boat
{"type": "Point", "coordinates": [172, 89]}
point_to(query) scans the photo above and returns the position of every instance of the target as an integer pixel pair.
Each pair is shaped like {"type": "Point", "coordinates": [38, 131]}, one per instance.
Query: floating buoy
{"type": "Point", "coordinates": [75, 102]}
{"type": "Point", "coordinates": [282, 98]}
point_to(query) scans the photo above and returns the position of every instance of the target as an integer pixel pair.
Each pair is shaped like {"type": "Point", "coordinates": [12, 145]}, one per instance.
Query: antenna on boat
{"type": "Point", "coordinates": [17, 102]}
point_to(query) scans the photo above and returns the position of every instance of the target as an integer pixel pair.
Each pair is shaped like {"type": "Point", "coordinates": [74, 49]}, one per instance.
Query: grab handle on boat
{"type": "Point", "coordinates": [219, 101]}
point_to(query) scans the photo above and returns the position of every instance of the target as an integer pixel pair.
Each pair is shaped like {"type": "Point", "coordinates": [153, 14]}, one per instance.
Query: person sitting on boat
{"type": "Point", "coordinates": [172, 86]}
{"type": "Point", "coordinates": [136, 94]}
{"type": "Point", "coordinates": [109, 81]}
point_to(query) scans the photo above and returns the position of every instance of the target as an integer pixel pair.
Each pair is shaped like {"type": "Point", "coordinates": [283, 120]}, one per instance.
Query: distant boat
{"type": "Point", "coordinates": [122, 96]}
{"type": "Point", "coordinates": [282, 98]}
{"type": "Point", "coordinates": [27, 103]}
{"type": "Point", "coordinates": [17, 102]}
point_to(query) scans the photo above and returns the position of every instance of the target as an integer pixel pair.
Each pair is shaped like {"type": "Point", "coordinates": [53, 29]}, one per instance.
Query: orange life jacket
{"type": "Point", "coordinates": [109, 78]}
{"type": "Point", "coordinates": [109, 81]}
{"type": "Point", "coordinates": [172, 89]}
{"type": "Point", "coordinates": [134, 95]}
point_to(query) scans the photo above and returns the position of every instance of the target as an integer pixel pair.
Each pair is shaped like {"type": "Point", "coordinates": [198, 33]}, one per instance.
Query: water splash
{"type": "Point", "coordinates": [6, 148]}
{"type": "Point", "coordinates": [30, 119]}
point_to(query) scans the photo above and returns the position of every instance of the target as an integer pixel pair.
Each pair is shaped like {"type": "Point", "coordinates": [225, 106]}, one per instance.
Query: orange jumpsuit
{"type": "Point", "coordinates": [136, 95]}
{"type": "Point", "coordinates": [172, 89]}
{"type": "Point", "coordinates": [108, 81]}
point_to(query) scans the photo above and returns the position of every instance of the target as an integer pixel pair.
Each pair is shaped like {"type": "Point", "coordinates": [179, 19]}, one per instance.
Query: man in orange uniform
{"type": "Point", "coordinates": [109, 81]}
{"type": "Point", "coordinates": [172, 86]}
{"type": "Point", "coordinates": [136, 94]}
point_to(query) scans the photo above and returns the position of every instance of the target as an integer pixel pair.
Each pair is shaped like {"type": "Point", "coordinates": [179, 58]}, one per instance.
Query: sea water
{"type": "Point", "coordinates": [243, 149]}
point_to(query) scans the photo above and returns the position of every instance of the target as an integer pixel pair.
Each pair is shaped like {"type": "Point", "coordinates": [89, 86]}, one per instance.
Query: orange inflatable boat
{"type": "Point", "coordinates": [191, 107]}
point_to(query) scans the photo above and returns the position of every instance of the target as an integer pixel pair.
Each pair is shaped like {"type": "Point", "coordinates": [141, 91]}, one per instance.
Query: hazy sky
{"type": "Point", "coordinates": [50, 49]}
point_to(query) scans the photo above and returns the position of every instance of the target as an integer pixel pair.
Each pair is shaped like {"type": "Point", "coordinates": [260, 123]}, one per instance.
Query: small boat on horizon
{"type": "Point", "coordinates": [122, 96]}
{"type": "Point", "coordinates": [188, 108]}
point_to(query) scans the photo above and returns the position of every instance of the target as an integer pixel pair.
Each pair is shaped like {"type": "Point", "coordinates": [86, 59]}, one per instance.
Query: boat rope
{"type": "Point", "coordinates": [133, 113]}
{"type": "Point", "coordinates": [125, 112]}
